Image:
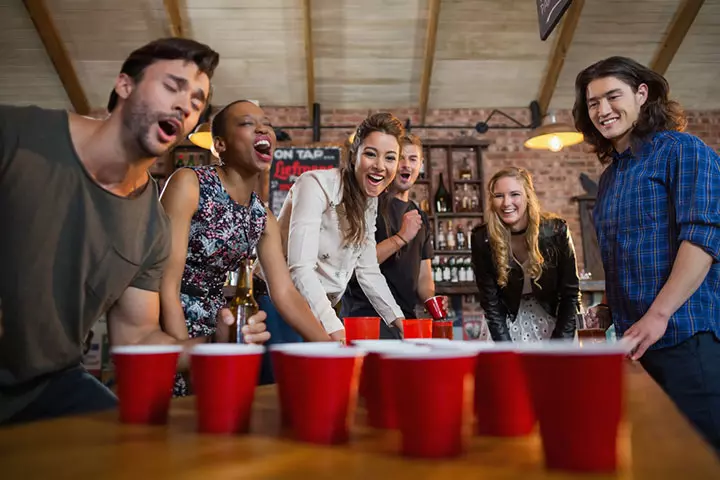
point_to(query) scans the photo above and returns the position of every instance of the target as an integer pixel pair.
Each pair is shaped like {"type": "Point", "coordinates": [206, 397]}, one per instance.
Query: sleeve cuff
{"type": "Point", "coordinates": [706, 237]}
{"type": "Point", "coordinates": [331, 324]}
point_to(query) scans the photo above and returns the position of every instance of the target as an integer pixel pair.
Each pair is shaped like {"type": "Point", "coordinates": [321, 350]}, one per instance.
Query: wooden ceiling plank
{"type": "Point", "coordinates": [559, 53]}
{"type": "Point", "coordinates": [45, 27]}
{"type": "Point", "coordinates": [429, 57]}
{"type": "Point", "coordinates": [172, 9]}
{"type": "Point", "coordinates": [679, 26]}
{"type": "Point", "coordinates": [309, 55]}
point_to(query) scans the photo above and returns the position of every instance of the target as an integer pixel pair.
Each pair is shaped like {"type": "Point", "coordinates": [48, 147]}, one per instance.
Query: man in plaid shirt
{"type": "Point", "coordinates": [657, 217]}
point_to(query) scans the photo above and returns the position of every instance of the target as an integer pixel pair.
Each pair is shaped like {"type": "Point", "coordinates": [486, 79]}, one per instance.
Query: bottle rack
{"type": "Point", "coordinates": [451, 158]}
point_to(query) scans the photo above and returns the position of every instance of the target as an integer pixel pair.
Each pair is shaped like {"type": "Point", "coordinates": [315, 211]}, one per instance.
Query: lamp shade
{"type": "Point", "coordinates": [202, 136]}
{"type": "Point", "coordinates": [553, 136]}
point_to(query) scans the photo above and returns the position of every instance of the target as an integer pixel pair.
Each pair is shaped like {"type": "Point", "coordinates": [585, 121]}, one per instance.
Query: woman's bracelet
{"type": "Point", "coordinates": [401, 238]}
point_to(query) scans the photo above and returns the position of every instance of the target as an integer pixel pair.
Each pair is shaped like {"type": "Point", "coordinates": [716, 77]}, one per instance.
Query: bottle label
{"type": "Point", "coordinates": [241, 319]}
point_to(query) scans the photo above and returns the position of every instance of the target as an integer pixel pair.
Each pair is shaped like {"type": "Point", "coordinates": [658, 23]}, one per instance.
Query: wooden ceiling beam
{"type": "Point", "coordinates": [45, 27]}
{"type": "Point", "coordinates": [172, 9]}
{"type": "Point", "coordinates": [559, 52]}
{"type": "Point", "coordinates": [429, 57]}
{"type": "Point", "coordinates": [679, 26]}
{"type": "Point", "coordinates": [309, 55]}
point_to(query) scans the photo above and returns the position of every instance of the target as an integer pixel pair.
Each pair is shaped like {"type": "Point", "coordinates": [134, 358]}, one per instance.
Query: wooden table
{"type": "Point", "coordinates": [656, 443]}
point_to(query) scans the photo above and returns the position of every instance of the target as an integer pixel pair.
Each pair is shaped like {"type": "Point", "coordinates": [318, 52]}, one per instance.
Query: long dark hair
{"type": "Point", "coordinates": [658, 113]}
{"type": "Point", "coordinates": [354, 201]}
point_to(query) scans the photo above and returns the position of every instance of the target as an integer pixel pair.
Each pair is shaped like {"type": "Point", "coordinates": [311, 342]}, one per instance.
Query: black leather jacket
{"type": "Point", "coordinates": [559, 291]}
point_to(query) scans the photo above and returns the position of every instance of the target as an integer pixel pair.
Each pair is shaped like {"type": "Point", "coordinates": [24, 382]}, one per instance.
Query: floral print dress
{"type": "Point", "coordinates": [222, 234]}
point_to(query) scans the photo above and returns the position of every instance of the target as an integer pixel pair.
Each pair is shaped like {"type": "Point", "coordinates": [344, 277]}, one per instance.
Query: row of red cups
{"type": "Point", "coordinates": [431, 388]}
{"type": "Point", "coordinates": [368, 328]}
{"type": "Point", "coordinates": [426, 391]}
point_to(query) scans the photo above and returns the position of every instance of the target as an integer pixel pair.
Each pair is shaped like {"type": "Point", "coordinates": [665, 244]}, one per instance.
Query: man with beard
{"type": "Point", "coordinates": [404, 249]}
{"type": "Point", "coordinates": [83, 232]}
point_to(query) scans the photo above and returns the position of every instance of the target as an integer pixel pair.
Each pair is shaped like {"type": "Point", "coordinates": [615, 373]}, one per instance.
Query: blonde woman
{"type": "Point", "coordinates": [524, 263]}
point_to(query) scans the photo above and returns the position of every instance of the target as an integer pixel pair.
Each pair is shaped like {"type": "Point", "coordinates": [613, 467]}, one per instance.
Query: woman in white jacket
{"type": "Point", "coordinates": [328, 224]}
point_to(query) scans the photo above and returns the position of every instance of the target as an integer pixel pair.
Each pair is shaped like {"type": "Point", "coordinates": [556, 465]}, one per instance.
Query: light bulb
{"type": "Point", "coordinates": [555, 144]}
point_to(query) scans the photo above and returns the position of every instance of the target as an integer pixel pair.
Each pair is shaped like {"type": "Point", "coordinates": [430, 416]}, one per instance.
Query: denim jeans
{"type": "Point", "coordinates": [690, 374]}
{"type": "Point", "coordinates": [280, 332]}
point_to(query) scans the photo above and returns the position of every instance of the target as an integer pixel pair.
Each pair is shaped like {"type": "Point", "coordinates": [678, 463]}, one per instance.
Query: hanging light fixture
{"type": "Point", "coordinates": [553, 136]}
{"type": "Point", "coordinates": [202, 136]}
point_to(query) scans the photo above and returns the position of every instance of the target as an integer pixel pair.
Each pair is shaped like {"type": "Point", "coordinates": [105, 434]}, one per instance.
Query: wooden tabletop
{"type": "Point", "coordinates": [655, 443]}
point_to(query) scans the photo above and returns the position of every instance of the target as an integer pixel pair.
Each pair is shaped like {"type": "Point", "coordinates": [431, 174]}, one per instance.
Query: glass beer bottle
{"type": "Point", "coordinates": [243, 304]}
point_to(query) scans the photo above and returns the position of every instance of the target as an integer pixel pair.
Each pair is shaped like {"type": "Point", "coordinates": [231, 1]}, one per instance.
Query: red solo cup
{"type": "Point", "coordinates": [564, 378]}
{"type": "Point", "coordinates": [436, 306]}
{"type": "Point", "coordinates": [145, 376]}
{"type": "Point", "coordinates": [224, 377]}
{"type": "Point", "coordinates": [503, 407]}
{"type": "Point", "coordinates": [367, 345]}
{"type": "Point", "coordinates": [431, 393]}
{"type": "Point", "coordinates": [377, 382]}
{"type": "Point", "coordinates": [442, 330]}
{"type": "Point", "coordinates": [417, 328]}
{"type": "Point", "coordinates": [322, 385]}
{"type": "Point", "coordinates": [361, 328]}
{"type": "Point", "coordinates": [277, 358]}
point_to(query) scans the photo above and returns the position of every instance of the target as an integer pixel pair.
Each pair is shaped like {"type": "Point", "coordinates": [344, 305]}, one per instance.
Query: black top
{"type": "Point", "coordinates": [401, 269]}
{"type": "Point", "coordinates": [558, 291]}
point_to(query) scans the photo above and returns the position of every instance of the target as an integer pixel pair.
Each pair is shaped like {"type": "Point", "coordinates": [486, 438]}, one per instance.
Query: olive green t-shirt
{"type": "Point", "coordinates": [68, 250]}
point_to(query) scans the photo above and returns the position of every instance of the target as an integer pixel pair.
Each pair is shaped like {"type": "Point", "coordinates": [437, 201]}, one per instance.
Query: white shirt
{"type": "Point", "coordinates": [320, 264]}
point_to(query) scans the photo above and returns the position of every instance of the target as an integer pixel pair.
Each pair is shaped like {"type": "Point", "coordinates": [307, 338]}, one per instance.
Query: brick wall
{"type": "Point", "coordinates": [556, 175]}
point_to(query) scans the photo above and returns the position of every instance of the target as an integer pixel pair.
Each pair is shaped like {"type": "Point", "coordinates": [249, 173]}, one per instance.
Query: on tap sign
{"type": "Point", "coordinates": [291, 162]}
{"type": "Point", "coordinates": [549, 14]}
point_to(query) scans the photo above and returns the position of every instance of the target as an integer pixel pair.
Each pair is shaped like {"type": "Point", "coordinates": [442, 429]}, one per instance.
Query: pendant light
{"type": "Point", "coordinates": [553, 136]}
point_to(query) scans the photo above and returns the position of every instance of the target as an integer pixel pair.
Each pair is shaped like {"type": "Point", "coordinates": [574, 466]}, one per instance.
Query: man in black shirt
{"type": "Point", "coordinates": [404, 249]}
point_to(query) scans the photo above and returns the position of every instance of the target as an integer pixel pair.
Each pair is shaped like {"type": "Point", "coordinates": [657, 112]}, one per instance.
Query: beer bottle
{"type": "Point", "coordinates": [243, 304]}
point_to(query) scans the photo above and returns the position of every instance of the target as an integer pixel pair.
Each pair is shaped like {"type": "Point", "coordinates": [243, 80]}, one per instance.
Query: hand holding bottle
{"type": "Point", "coordinates": [254, 332]}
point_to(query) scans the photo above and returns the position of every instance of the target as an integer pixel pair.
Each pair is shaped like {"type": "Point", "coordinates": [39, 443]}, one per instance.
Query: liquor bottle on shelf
{"type": "Point", "coordinates": [460, 237]}
{"type": "Point", "coordinates": [441, 241]}
{"type": "Point", "coordinates": [465, 170]}
{"type": "Point", "coordinates": [462, 272]}
{"type": "Point", "coordinates": [474, 200]}
{"type": "Point", "coordinates": [454, 270]}
{"type": "Point", "coordinates": [243, 304]}
{"type": "Point", "coordinates": [468, 234]}
{"type": "Point", "coordinates": [470, 274]}
{"type": "Point", "coordinates": [443, 199]}
{"type": "Point", "coordinates": [446, 274]}
{"type": "Point", "coordinates": [465, 202]}
{"type": "Point", "coordinates": [436, 269]}
{"type": "Point", "coordinates": [450, 240]}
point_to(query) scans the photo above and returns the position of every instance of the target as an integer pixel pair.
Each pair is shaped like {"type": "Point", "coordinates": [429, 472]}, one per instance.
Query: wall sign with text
{"type": "Point", "coordinates": [549, 14]}
{"type": "Point", "coordinates": [291, 162]}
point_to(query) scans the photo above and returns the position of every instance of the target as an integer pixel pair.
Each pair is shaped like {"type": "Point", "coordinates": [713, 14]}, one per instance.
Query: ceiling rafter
{"type": "Point", "coordinates": [172, 9]}
{"type": "Point", "coordinates": [45, 27]}
{"type": "Point", "coordinates": [559, 52]}
{"type": "Point", "coordinates": [309, 55]}
{"type": "Point", "coordinates": [679, 26]}
{"type": "Point", "coordinates": [429, 57]}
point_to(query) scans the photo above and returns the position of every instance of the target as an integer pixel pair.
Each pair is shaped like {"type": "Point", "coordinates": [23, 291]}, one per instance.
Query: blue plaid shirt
{"type": "Point", "coordinates": [648, 202]}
